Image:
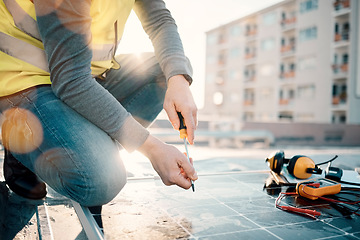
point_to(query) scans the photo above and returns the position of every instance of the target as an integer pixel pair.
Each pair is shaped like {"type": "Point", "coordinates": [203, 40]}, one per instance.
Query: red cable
{"type": "Point", "coordinates": [309, 212]}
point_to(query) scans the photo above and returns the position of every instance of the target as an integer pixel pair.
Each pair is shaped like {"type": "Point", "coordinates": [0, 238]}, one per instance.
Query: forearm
{"type": "Point", "coordinates": [162, 31]}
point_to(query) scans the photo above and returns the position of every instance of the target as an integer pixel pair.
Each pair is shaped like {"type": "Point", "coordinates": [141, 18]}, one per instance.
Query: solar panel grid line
{"type": "Point", "coordinates": [260, 227]}
{"type": "Point", "coordinates": [342, 230]}
{"type": "Point", "coordinates": [178, 222]}
{"type": "Point", "coordinates": [239, 214]}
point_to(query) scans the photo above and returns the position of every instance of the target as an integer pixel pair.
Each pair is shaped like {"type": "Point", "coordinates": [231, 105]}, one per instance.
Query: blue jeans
{"type": "Point", "coordinates": [76, 158]}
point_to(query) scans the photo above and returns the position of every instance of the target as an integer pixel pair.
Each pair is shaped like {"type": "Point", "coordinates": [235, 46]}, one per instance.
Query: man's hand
{"type": "Point", "coordinates": [171, 165]}
{"type": "Point", "coordinates": [178, 98]}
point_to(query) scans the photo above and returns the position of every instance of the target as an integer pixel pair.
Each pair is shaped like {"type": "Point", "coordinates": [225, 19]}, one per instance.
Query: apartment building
{"type": "Point", "coordinates": [296, 61]}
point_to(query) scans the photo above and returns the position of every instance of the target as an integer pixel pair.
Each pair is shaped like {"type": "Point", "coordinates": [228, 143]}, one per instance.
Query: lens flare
{"type": "Point", "coordinates": [21, 130]}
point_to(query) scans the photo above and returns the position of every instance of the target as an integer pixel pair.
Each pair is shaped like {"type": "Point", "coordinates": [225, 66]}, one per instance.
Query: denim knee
{"type": "Point", "coordinates": [97, 189]}
{"type": "Point", "coordinates": [90, 178]}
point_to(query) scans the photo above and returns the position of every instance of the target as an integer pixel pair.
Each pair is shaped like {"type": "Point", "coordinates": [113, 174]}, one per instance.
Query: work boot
{"type": "Point", "coordinates": [21, 180]}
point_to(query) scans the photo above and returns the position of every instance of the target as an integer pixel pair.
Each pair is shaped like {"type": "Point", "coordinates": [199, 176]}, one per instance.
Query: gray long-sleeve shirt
{"type": "Point", "coordinates": [69, 58]}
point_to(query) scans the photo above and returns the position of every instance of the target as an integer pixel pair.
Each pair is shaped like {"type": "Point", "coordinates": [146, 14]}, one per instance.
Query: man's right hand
{"type": "Point", "coordinates": [171, 165]}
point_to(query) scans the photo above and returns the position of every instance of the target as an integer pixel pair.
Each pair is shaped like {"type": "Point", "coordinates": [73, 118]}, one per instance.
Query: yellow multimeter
{"type": "Point", "coordinates": [318, 187]}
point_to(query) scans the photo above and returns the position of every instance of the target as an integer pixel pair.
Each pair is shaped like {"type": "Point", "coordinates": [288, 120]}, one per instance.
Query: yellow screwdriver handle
{"type": "Point", "coordinates": [182, 128]}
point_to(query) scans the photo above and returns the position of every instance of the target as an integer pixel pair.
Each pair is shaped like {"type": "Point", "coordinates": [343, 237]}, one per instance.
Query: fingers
{"type": "Point", "coordinates": [188, 168]}
{"type": "Point", "coordinates": [185, 171]}
{"type": "Point", "coordinates": [178, 98]}
{"type": "Point", "coordinates": [173, 117]}
{"type": "Point", "coordinates": [190, 119]}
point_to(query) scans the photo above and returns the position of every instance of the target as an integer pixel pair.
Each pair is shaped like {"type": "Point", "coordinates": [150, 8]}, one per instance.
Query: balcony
{"type": "Point", "coordinates": [339, 99]}
{"type": "Point", "coordinates": [250, 78]}
{"type": "Point", "coordinates": [341, 4]}
{"type": "Point", "coordinates": [340, 70]}
{"type": "Point", "coordinates": [288, 23]}
{"type": "Point", "coordinates": [342, 37]}
{"type": "Point", "coordinates": [249, 56]}
{"type": "Point", "coordinates": [287, 50]}
{"type": "Point", "coordinates": [284, 102]}
{"type": "Point", "coordinates": [251, 32]}
{"type": "Point", "coordinates": [248, 102]}
{"type": "Point", "coordinates": [287, 75]}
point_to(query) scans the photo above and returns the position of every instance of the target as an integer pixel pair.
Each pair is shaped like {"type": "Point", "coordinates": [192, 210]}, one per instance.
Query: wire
{"type": "Point", "coordinates": [350, 183]}
{"type": "Point", "coordinates": [327, 161]}
{"type": "Point", "coordinates": [308, 212]}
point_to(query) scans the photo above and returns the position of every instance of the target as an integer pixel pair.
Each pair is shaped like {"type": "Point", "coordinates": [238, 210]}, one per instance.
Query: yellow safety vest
{"type": "Point", "coordinates": [23, 62]}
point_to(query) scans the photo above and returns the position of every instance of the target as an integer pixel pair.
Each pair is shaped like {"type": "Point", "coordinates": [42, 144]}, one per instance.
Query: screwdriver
{"type": "Point", "coordinates": [183, 135]}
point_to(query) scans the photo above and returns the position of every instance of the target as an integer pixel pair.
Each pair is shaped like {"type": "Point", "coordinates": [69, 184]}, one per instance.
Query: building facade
{"type": "Point", "coordinates": [296, 61]}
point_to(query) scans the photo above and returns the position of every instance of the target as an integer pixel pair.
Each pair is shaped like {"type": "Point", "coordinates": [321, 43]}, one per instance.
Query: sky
{"type": "Point", "coordinates": [193, 18]}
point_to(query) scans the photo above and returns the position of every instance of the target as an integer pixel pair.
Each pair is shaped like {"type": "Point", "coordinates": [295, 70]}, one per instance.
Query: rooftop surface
{"type": "Point", "coordinates": [230, 202]}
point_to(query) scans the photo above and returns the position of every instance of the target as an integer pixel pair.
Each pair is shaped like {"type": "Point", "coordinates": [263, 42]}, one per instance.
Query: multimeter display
{"type": "Point", "coordinates": [315, 188]}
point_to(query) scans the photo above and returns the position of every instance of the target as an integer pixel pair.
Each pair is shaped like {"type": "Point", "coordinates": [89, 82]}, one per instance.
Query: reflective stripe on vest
{"type": "Point", "coordinates": [34, 55]}
{"type": "Point", "coordinates": [23, 51]}
{"type": "Point", "coordinates": [22, 19]}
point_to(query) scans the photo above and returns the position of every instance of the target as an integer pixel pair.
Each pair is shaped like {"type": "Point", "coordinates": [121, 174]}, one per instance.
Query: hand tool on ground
{"type": "Point", "coordinates": [183, 135]}
{"type": "Point", "coordinates": [318, 187]}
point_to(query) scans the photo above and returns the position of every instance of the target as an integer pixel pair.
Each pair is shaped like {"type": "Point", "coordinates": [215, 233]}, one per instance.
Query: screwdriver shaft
{"type": "Point", "coordinates": [187, 155]}
{"type": "Point", "coordinates": [183, 135]}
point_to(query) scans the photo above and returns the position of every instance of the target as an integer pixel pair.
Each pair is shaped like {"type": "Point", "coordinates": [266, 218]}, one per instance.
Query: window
{"type": "Point", "coordinates": [306, 92]}
{"type": "Point", "coordinates": [308, 5]}
{"type": "Point", "coordinates": [249, 95]}
{"type": "Point", "coordinates": [285, 116]}
{"type": "Point", "coordinates": [292, 66]}
{"type": "Point", "coordinates": [233, 74]}
{"type": "Point", "coordinates": [282, 42]}
{"type": "Point", "coordinates": [269, 18]}
{"type": "Point", "coordinates": [235, 31]}
{"type": "Point", "coordinates": [334, 90]}
{"type": "Point", "coordinates": [211, 39]}
{"type": "Point", "coordinates": [247, 50]}
{"type": "Point", "coordinates": [267, 44]}
{"type": "Point", "coordinates": [305, 117]}
{"type": "Point", "coordinates": [291, 94]}
{"type": "Point", "coordinates": [307, 63]}
{"type": "Point", "coordinates": [222, 57]}
{"type": "Point", "coordinates": [234, 52]}
{"type": "Point", "coordinates": [282, 68]}
{"type": "Point", "coordinates": [222, 36]}
{"type": "Point", "coordinates": [308, 34]}
{"type": "Point", "coordinates": [266, 93]}
{"type": "Point", "coordinates": [267, 70]}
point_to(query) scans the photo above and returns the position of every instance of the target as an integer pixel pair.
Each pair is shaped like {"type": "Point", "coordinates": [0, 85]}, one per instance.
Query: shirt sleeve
{"type": "Point", "coordinates": [65, 31]}
{"type": "Point", "coordinates": [162, 30]}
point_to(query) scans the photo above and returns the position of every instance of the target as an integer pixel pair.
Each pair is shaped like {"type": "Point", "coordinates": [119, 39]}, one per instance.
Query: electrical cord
{"type": "Point", "coordinates": [327, 161]}
{"type": "Point", "coordinates": [350, 183]}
